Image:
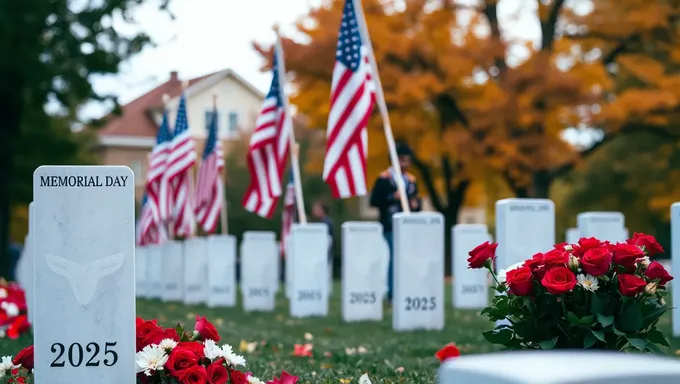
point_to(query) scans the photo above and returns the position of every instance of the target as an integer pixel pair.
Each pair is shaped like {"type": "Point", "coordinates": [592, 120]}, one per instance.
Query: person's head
{"type": "Point", "coordinates": [319, 209]}
{"type": "Point", "coordinates": [405, 155]}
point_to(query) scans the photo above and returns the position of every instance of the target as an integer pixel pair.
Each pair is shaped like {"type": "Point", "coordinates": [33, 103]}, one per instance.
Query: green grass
{"type": "Point", "coordinates": [391, 357]}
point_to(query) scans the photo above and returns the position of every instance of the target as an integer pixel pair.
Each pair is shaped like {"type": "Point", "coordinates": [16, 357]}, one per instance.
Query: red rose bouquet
{"type": "Point", "coordinates": [592, 294]}
{"type": "Point", "coordinates": [13, 319]}
{"type": "Point", "coordinates": [168, 355]}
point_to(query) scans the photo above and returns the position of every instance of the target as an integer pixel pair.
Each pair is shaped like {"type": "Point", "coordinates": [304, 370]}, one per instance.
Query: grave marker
{"type": "Point", "coordinates": [154, 271]}
{"type": "Point", "coordinates": [418, 271]}
{"type": "Point", "coordinates": [278, 266]}
{"type": "Point", "coordinates": [140, 271]}
{"type": "Point", "coordinates": [309, 245]}
{"type": "Point", "coordinates": [363, 288]}
{"type": "Point", "coordinates": [675, 265]}
{"type": "Point", "coordinates": [258, 270]}
{"type": "Point", "coordinates": [572, 236]}
{"type": "Point", "coordinates": [288, 270]}
{"type": "Point", "coordinates": [470, 288]}
{"type": "Point", "coordinates": [171, 267]}
{"type": "Point", "coordinates": [221, 254]}
{"type": "Point", "coordinates": [605, 226]}
{"type": "Point", "coordinates": [195, 271]}
{"type": "Point", "coordinates": [84, 247]}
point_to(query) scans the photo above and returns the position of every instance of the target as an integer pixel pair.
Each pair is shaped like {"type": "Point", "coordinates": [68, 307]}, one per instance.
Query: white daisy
{"type": "Point", "coordinates": [364, 379]}
{"type": "Point", "coordinates": [3, 293]}
{"type": "Point", "coordinates": [588, 282]}
{"type": "Point", "coordinates": [211, 350]}
{"type": "Point", "coordinates": [167, 344]}
{"type": "Point", "coordinates": [503, 272]}
{"type": "Point", "coordinates": [12, 310]}
{"type": "Point", "coordinates": [235, 360]}
{"type": "Point", "coordinates": [254, 380]}
{"type": "Point", "coordinates": [6, 365]}
{"type": "Point", "coordinates": [227, 350]}
{"type": "Point", "coordinates": [151, 358]}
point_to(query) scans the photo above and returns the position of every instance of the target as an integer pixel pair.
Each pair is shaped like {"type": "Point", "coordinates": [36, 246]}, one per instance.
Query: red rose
{"type": "Point", "coordinates": [447, 352]}
{"type": "Point", "coordinates": [656, 271]}
{"type": "Point", "coordinates": [626, 255]}
{"type": "Point", "coordinates": [25, 358]}
{"type": "Point", "coordinates": [194, 346]}
{"type": "Point", "coordinates": [194, 375]}
{"type": "Point", "coordinates": [596, 261]}
{"type": "Point", "coordinates": [584, 244]}
{"type": "Point", "coordinates": [180, 360]}
{"type": "Point", "coordinates": [206, 329]}
{"type": "Point", "coordinates": [651, 246]}
{"type": "Point", "coordinates": [482, 254]}
{"type": "Point", "coordinates": [556, 257]}
{"type": "Point", "coordinates": [561, 246]}
{"type": "Point", "coordinates": [170, 333]}
{"type": "Point", "coordinates": [238, 377]}
{"type": "Point", "coordinates": [559, 280]}
{"type": "Point", "coordinates": [148, 332]}
{"type": "Point", "coordinates": [631, 285]}
{"type": "Point", "coordinates": [536, 265]}
{"type": "Point", "coordinates": [286, 378]}
{"type": "Point", "coordinates": [217, 373]}
{"type": "Point", "coordinates": [520, 281]}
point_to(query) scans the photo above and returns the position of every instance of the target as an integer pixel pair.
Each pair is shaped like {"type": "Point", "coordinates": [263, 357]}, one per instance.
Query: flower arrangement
{"type": "Point", "coordinates": [592, 294]}
{"type": "Point", "coordinates": [168, 355]}
{"type": "Point", "coordinates": [13, 318]}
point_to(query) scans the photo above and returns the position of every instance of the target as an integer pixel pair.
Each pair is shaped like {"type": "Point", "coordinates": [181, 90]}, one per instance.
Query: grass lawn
{"type": "Point", "coordinates": [390, 357]}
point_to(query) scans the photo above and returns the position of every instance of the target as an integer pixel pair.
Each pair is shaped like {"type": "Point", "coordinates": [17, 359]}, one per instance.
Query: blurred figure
{"type": "Point", "coordinates": [385, 197]}
{"type": "Point", "coordinates": [320, 211]}
{"type": "Point", "coordinates": [14, 255]}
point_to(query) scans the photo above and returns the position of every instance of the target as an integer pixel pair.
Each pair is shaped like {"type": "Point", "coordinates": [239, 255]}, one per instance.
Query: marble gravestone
{"type": "Point", "coordinates": [418, 298]}
{"type": "Point", "coordinates": [278, 266]}
{"type": "Point", "coordinates": [470, 288]}
{"type": "Point", "coordinates": [309, 247]}
{"type": "Point", "coordinates": [605, 226]}
{"type": "Point", "coordinates": [195, 271]}
{"type": "Point", "coordinates": [675, 265]}
{"type": "Point", "coordinates": [154, 271]}
{"type": "Point", "coordinates": [221, 256]}
{"type": "Point", "coordinates": [140, 271]}
{"type": "Point", "coordinates": [363, 251]}
{"type": "Point", "coordinates": [572, 235]}
{"type": "Point", "coordinates": [258, 270]}
{"type": "Point", "coordinates": [84, 273]}
{"type": "Point", "coordinates": [173, 275]}
{"type": "Point", "coordinates": [288, 270]}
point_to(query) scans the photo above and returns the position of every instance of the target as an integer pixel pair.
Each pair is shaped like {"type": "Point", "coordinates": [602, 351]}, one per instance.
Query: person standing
{"type": "Point", "coordinates": [385, 197]}
{"type": "Point", "coordinates": [321, 213]}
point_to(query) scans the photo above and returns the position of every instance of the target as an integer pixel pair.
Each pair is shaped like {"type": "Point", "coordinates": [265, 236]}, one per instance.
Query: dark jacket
{"type": "Point", "coordinates": [382, 197]}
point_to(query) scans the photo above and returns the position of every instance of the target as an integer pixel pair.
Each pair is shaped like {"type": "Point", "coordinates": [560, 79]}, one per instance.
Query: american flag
{"type": "Point", "coordinates": [156, 188]}
{"type": "Point", "coordinates": [149, 230]}
{"type": "Point", "coordinates": [352, 100]}
{"type": "Point", "coordinates": [209, 185]}
{"type": "Point", "coordinates": [268, 148]}
{"type": "Point", "coordinates": [288, 215]}
{"type": "Point", "coordinates": [181, 159]}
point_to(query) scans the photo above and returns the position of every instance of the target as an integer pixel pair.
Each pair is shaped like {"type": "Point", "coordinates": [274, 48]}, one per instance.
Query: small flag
{"type": "Point", "coordinates": [288, 216]}
{"type": "Point", "coordinates": [209, 184]}
{"type": "Point", "coordinates": [156, 188]}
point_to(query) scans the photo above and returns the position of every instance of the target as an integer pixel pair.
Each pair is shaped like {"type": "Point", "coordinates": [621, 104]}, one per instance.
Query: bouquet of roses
{"type": "Point", "coordinates": [592, 294]}
{"type": "Point", "coordinates": [13, 319]}
{"type": "Point", "coordinates": [168, 356]}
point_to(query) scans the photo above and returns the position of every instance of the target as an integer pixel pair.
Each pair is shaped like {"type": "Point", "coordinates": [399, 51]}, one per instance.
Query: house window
{"type": "Point", "coordinates": [208, 120]}
{"type": "Point", "coordinates": [233, 124]}
{"type": "Point", "coordinates": [136, 167]}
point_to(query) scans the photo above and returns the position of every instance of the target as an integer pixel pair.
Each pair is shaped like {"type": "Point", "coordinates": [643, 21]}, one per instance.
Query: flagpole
{"type": "Point", "coordinates": [294, 147]}
{"type": "Point", "coordinates": [382, 106]}
{"type": "Point", "coordinates": [223, 193]}
{"type": "Point", "coordinates": [168, 221]}
{"type": "Point", "coordinates": [192, 188]}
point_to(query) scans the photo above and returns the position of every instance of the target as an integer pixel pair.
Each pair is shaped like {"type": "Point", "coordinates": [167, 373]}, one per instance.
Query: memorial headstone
{"type": "Point", "coordinates": [605, 226]}
{"type": "Point", "coordinates": [173, 276]}
{"type": "Point", "coordinates": [675, 265]}
{"type": "Point", "coordinates": [195, 271]}
{"type": "Point", "coordinates": [418, 301]}
{"type": "Point", "coordinates": [221, 254]}
{"type": "Point", "coordinates": [470, 286]}
{"type": "Point", "coordinates": [140, 271]}
{"type": "Point", "coordinates": [154, 271]}
{"type": "Point", "coordinates": [84, 274]}
{"type": "Point", "coordinates": [288, 270]}
{"type": "Point", "coordinates": [385, 267]}
{"type": "Point", "coordinates": [309, 247]}
{"type": "Point", "coordinates": [277, 282]}
{"type": "Point", "coordinates": [363, 288]}
{"type": "Point", "coordinates": [258, 270]}
{"type": "Point", "coordinates": [572, 236]}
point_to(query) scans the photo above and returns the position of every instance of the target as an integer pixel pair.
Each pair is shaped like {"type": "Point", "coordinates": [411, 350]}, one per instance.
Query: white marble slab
{"type": "Point", "coordinates": [221, 254]}
{"type": "Point", "coordinates": [258, 270]}
{"type": "Point", "coordinates": [309, 245]}
{"type": "Point", "coordinates": [605, 226]}
{"type": "Point", "coordinates": [469, 289]}
{"type": "Point", "coordinates": [172, 267]}
{"type": "Point", "coordinates": [573, 235]}
{"type": "Point", "coordinates": [154, 271]}
{"type": "Point", "coordinates": [140, 271]}
{"type": "Point", "coordinates": [195, 271]}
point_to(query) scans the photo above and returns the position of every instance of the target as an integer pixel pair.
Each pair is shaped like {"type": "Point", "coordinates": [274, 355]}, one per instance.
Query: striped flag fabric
{"type": "Point", "coordinates": [288, 214]}
{"type": "Point", "coordinates": [209, 184]}
{"type": "Point", "coordinates": [181, 158]}
{"type": "Point", "coordinates": [268, 149]}
{"type": "Point", "coordinates": [156, 188]}
{"type": "Point", "coordinates": [352, 101]}
{"type": "Point", "coordinates": [149, 230]}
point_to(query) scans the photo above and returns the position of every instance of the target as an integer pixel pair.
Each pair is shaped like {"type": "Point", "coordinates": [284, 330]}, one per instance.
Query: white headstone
{"type": "Point", "coordinates": [258, 270]}
{"type": "Point", "coordinates": [277, 282]}
{"type": "Point", "coordinates": [172, 268]}
{"type": "Point", "coordinates": [29, 263]}
{"type": "Point", "coordinates": [288, 270]}
{"type": "Point", "coordinates": [560, 367]}
{"type": "Point", "coordinates": [418, 301]}
{"type": "Point", "coordinates": [154, 271]}
{"type": "Point", "coordinates": [626, 234]}
{"type": "Point", "coordinates": [363, 250]}
{"type": "Point", "coordinates": [605, 226]}
{"type": "Point", "coordinates": [309, 245]}
{"type": "Point", "coordinates": [675, 265]}
{"type": "Point", "coordinates": [221, 254]}
{"type": "Point", "coordinates": [195, 271]}
{"type": "Point", "coordinates": [524, 227]}
{"type": "Point", "coordinates": [470, 286]}
{"type": "Point", "coordinates": [84, 247]}
{"type": "Point", "coordinates": [572, 236]}
{"type": "Point", "coordinates": [140, 271]}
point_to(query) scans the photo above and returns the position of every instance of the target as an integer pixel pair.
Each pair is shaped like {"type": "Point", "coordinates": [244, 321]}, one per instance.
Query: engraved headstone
{"type": "Point", "coordinates": [362, 259]}
{"type": "Point", "coordinates": [309, 245]}
{"type": "Point", "coordinates": [675, 265]}
{"type": "Point", "coordinates": [173, 275]}
{"type": "Point", "coordinates": [140, 271]}
{"type": "Point", "coordinates": [154, 271]}
{"type": "Point", "coordinates": [605, 226]}
{"type": "Point", "coordinates": [195, 273]}
{"type": "Point", "coordinates": [258, 270]}
{"type": "Point", "coordinates": [418, 271]}
{"type": "Point", "coordinates": [221, 254]}
{"type": "Point", "coordinates": [470, 289]}
{"type": "Point", "coordinates": [84, 248]}
{"type": "Point", "coordinates": [572, 235]}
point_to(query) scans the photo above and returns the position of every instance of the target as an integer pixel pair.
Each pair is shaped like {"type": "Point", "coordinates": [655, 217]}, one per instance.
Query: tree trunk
{"type": "Point", "coordinates": [541, 182]}
{"type": "Point", "coordinates": [455, 198]}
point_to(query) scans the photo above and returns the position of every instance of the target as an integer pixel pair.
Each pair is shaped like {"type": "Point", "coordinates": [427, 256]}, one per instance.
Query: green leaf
{"type": "Point", "coordinates": [639, 344]}
{"type": "Point", "coordinates": [656, 336]}
{"type": "Point", "coordinates": [549, 344]}
{"type": "Point", "coordinates": [572, 318]}
{"type": "Point", "coordinates": [589, 341]}
{"type": "Point", "coordinates": [597, 305]}
{"type": "Point", "coordinates": [631, 318]}
{"type": "Point", "coordinates": [598, 334]}
{"type": "Point", "coordinates": [605, 321]}
{"type": "Point", "coordinates": [498, 336]}
{"type": "Point", "coordinates": [654, 348]}
{"type": "Point", "coordinates": [617, 332]}
{"type": "Point", "coordinates": [587, 320]}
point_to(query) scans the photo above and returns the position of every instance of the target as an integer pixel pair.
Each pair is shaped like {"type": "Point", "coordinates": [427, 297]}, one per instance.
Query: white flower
{"type": "Point", "coordinates": [211, 350]}
{"type": "Point", "coordinates": [167, 344]}
{"type": "Point", "coordinates": [3, 293]}
{"type": "Point", "coordinates": [12, 310]}
{"type": "Point", "coordinates": [151, 358]}
{"type": "Point", "coordinates": [6, 365]}
{"type": "Point", "coordinates": [568, 247]}
{"type": "Point", "coordinates": [227, 350]}
{"type": "Point", "coordinates": [503, 272]}
{"type": "Point", "coordinates": [235, 359]}
{"type": "Point", "coordinates": [2, 333]}
{"type": "Point", "coordinates": [364, 379]}
{"type": "Point", "coordinates": [308, 336]}
{"type": "Point", "coordinates": [254, 380]}
{"type": "Point", "coordinates": [588, 282]}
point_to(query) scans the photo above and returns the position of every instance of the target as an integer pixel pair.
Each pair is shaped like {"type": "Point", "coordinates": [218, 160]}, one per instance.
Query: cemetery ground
{"type": "Point", "coordinates": [341, 352]}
